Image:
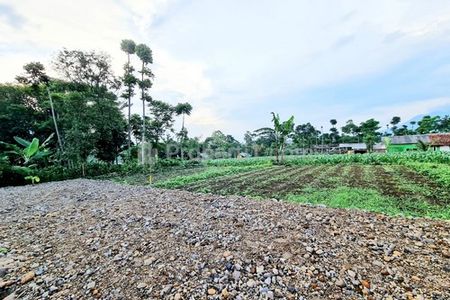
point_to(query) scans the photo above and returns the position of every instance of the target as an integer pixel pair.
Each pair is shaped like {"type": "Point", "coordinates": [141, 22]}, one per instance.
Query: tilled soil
{"type": "Point", "coordinates": [84, 239]}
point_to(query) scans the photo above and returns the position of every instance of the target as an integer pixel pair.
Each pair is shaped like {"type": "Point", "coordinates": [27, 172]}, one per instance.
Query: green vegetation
{"type": "Point", "coordinates": [438, 172]}
{"type": "Point", "coordinates": [212, 172]}
{"type": "Point", "coordinates": [373, 158]}
{"type": "Point", "coordinates": [410, 189]}
{"type": "Point", "coordinates": [370, 200]}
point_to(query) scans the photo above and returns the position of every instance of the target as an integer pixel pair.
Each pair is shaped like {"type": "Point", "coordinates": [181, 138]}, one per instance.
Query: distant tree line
{"type": "Point", "coordinates": [262, 141]}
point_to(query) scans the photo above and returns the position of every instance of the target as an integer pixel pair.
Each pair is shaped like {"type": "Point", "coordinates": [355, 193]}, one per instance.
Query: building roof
{"type": "Point", "coordinates": [434, 139]}
{"type": "Point", "coordinates": [379, 146]}
{"type": "Point", "coordinates": [354, 146]}
{"type": "Point", "coordinates": [440, 139]}
{"type": "Point", "coordinates": [410, 139]}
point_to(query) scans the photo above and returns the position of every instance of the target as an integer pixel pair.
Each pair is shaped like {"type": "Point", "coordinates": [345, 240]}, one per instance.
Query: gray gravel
{"type": "Point", "coordinates": [84, 239]}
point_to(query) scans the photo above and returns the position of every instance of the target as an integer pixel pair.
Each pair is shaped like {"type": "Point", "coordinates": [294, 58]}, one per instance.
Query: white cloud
{"type": "Point", "coordinates": [226, 55]}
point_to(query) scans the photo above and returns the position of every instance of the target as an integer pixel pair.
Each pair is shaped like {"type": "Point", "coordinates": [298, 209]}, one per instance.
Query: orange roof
{"type": "Point", "coordinates": [440, 139]}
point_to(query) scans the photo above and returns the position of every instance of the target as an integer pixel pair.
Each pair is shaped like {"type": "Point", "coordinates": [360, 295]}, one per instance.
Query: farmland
{"type": "Point", "coordinates": [414, 185]}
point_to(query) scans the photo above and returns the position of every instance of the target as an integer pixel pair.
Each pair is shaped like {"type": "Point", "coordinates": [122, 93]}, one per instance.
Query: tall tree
{"type": "Point", "coordinates": [129, 80]}
{"type": "Point", "coordinates": [183, 109]}
{"type": "Point", "coordinates": [161, 121]}
{"type": "Point", "coordinates": [370, 132]}
{"type": "Point", "coordinates": [352, 130]}
{"type": "Point", "coordinates": [35, 75]}
{"type": "Point", "coordinates": [394, 122]}
{"type": "Point", "coordinates": [145, 55]}
{"type": "Point", "coordinates": [334, 132]}
{"type": "Point", "coordinates": [90, 75]}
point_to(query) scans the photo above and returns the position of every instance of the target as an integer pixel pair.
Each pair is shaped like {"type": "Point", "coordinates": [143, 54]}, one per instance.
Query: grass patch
{"type": "Point", "coordinates": [370, 200]}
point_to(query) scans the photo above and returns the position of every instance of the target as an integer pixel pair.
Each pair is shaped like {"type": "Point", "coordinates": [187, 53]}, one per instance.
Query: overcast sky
{"type": "Point", "coordinates": [236, 61]}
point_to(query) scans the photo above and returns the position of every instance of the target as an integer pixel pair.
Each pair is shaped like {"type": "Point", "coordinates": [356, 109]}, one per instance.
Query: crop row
{"type": "Point", "coordinates": [369, 158]}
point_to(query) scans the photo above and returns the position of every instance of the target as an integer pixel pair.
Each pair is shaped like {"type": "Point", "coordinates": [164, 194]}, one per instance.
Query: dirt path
{"type": "Point", "coordinates": [84, 239]}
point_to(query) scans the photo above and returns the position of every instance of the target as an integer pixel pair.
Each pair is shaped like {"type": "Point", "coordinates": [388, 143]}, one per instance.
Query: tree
{"type": "Point", "coordinates": [129, 80]}
{"type": "Point", "coordinates": [249, 142]}
{"type": "Point", "coordinates": [145, 55]}
{"type": "Point", "coordinates": [334, 132]}
{"type": "Point", "coordinates": [281, 130]}
{"type": "Point", "coordinates": [161, 121]}
{"type": "Point", "coordinates": [35, 75]}
{"type": "Point", "coordinates": [305, 135]}
{"type": "Point", "coordinates": [370, 132]}
{"type": "Point", "coordinates": [220, 145]}
{"type": "Point", "coordinates": [183, 109]}
{"type": "Point", "coordinates": [21, 114]}
{"type": "Point", "coordinates": [395, 121]}
{"type": "Point", "coordinates": [412, 123]}
{"type": "Point", "coordinates": [352, 130]}
{"type": "Point", "coordinates": [87, 68]}
{"type": "Point", "coordinates": [265, 141]}
{"type": "Point", "coordinates": [444, 124]}
{"type": "Point", "coordinates": [88, 104]}
{"type": "Point", "coordinates": [428, 124]}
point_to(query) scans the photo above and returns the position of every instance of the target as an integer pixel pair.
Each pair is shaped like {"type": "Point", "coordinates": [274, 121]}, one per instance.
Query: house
{"type": "Point", "coordinates": [436, 141]}
{"type": "Point", "coordinates": [244, 155]}
{"type": "Point", "coordinates": [353, 148]}
{"type": "Point", "coordinates": [360, 148]}
{"type": "Point", "coordinates": [379, 147]}
{"type": "Point", "coordinates": [440, 141]}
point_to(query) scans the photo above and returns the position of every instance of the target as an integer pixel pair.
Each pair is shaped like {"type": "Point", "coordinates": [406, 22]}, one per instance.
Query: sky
{"type": "Point", "coordinates": [237, 61]}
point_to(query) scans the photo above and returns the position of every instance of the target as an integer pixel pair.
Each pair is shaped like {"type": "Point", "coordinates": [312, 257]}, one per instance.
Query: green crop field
{"type": "Point", "coordinates": [416, 185]}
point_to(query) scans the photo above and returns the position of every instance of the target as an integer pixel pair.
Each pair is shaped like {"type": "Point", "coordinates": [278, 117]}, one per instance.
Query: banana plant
{"type": "Point", "coordinates": [30, 153]}
{"type": "Point", "coordinates": [282, 131]}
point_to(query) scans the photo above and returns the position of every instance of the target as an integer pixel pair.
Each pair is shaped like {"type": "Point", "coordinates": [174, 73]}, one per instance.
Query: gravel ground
{"type": "Point", "coordinates": [84, 239]}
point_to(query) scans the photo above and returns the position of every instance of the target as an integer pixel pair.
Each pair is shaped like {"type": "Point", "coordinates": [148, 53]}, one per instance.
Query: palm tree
{"type": "Point", "coordinates": [183, 109]}
{"type": "Point", "coordinates": [129, 47]}
{"type": "Point", "coordinates": [145, 55]}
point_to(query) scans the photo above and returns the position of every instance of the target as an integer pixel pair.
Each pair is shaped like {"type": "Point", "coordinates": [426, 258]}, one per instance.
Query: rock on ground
{"type": "Point", "coordinates": [85, 239]}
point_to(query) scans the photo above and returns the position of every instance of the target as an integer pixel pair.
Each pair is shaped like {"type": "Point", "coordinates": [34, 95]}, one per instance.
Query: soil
{"type": "Point", "coordinates": [85, 239]}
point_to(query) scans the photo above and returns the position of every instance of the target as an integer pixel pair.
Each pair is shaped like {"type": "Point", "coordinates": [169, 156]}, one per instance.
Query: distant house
{"type": "Point", "coordinates": [436, 141]}
{"type": "Point", "coordinates": [379, 147]}
{"type": "Point", "coordinates": [244, 155]}
{"type": "Point", "coordinates": [353, 148]}
{"type": "Point", "coordinates": [360, 148]}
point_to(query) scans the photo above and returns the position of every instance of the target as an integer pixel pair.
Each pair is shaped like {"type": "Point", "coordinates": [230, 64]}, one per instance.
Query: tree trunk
{"type": "Point", "coordinates": [129, 113]}
{"type": "Point", "coordinates": [143, 115]}
{"type": "Point", "coordinates": [54, 120]}
{"type": "Point", "coordinates": [182, 138]}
